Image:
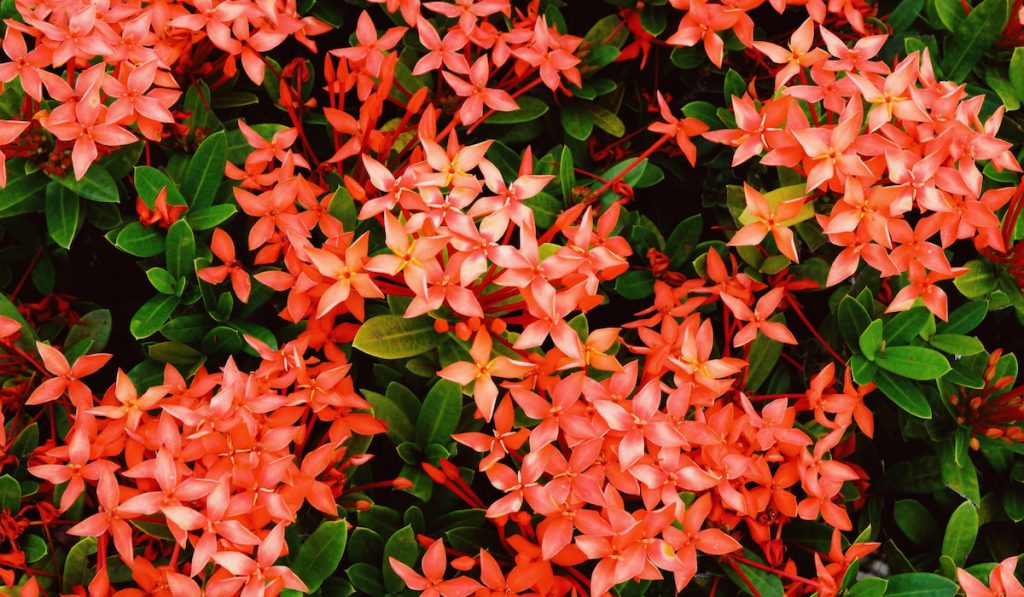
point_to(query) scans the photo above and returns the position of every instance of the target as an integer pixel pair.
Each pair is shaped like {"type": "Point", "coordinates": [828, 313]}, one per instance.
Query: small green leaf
{"type": "Point", "coordinates": [152, 315]}
{"type": "Point", "coordinates": [94, 325]}
{"type": "Point", "coordinates": [530, 109]}
{"type": "Point", "coordinates": [853, 321]}
{"type": "Point", "coordinates": [205, 171]}
{"type": "Point", "coordinates": [162, 280]}
{"type": "Point", "coordinates": [913, 362]}
{"type": "Point", "coordinates": [635, 284]}
{"type": "Point", "coordinates": [403, 547]}
{"type": "Point", "coordinates": [175, 353]}
{"type": "Point", "coordinates": [180, 249]}
{"type": "Point", "coordinates": [439, 414]}
{"type": "Point", "coordinates": [1017, 71]}
{"type": "Point", "coordinates": [920, 584]}
{"type": "Point", "coordinates": [961, 476]}
{"type": "Point", "coordinates": [10, 494]}
{"type": "Point", "coordinates": [964, 319]}
{"type": "Point", "coordinates": [321, 553]}
{"type": "Point", "coordinates": [957, 344]}
{"type": "Point", "coordinates": [150, 181]}
{"type": "Point", "coordinates": [97, 185]}
{"type": "Point", "coordinates": [61, 213]}
{"type": "Point", "coordinates": [395, 337]}
{"type": "Point", "coordinates": [577, 122]}
{"type": "Point", "coordinates": [961, 532]}
{"type": "Point", "coordinates": [906, 325]}
{"type": "Point", "coordinates": [566, 175]}
{"type": "Point", "coordinates": [606, 120]}
{"type": "Point", "coordinates": [140, 241]}
{"type": "Point", "coordinates": [871, 340]}
{"type": "Point", "coordinates": [904, 394]}
{"type": "Point", "coordinates": [210, 217]}
{"type": "Point", "coordinates": [916, 522]}
{"type": "Point", "coordinates": [398, 407]}
{"type": "Point", "coordinates": [76, 565]}
{"type": "Point", "coordinates": [979, 280]}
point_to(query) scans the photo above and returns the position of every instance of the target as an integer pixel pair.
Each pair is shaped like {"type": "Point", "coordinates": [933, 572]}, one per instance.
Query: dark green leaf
{"type": "Point", "coordinates": [321, 553]}
{"type": "Point", "coordinates": [961, 532]}
{"type": "Point", "coordinates": [180, 249]}
{"type": "Point", "coordinates": [904, 393]}
{"type": "Point", "coordinates": [920, 584]}
{"type": "Point", "coordinates": [439, 414]}
{"type": "Point", "coordinates": [566, 175]}
{"type": "Point", "coordinates": [152, 315]}
{"type": "Point", "coordinates": [76, 565]}
{"type": "Point", "coordinates": [61, 213]}
{"type": "Point", "coordinates": [205, 171]}
{"type": "Point", "coordinates": [957, 344]}
{"type": "Point", "coordinates": [94, 325]}
{"type": "Point", "coordinates": [96, 185]}
{"type": "Point", "coordinates": [871, 340]}
{"type": "Point", "coordinates": [403, 547]}
{"type": "Point", "coordinates": [530, 109]}
{"type": "Point", "coordinates": [853, 320]}
{"type": "Point", "coordinates": [916, 522]}
{"type": "Point", "coordinates": [140, 241]}
{"type": "Point", "coordinates": [972, 37]}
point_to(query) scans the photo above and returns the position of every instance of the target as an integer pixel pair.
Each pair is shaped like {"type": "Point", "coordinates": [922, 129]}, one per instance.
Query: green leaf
{"type": "Point", "coordinates": [366, 578]}
{"type": "Point", "coordinates": [205, 171]}
{"type": "Point", "coordinates": [764, 355]}
{"type": "Point", "coordinates": [61, 213]}
{"type": "Point", "coordinates": [22, 193]}
{"type": "Point", "coordinates": [683, 240]}
{"type": "Point", "coordinates": [871, 340]}
{"type": "Point", "coordinates": [186, 328]}
{"type": "Point", "coordinates": [635, 284]}
{"type": "Point", "coordinates": [965, 318]}
{"type": "Point", "coordinates": [163, 281]}
{"type": "Point", "coordinates": [916, 522]}
{"type": "Point", "coordinates": [395, 337]}
{"type": "Point", "coordinates": [97, 185]}
{"type": "Point", "coordinates": [913, 362]}
{"type": "Point", "coordinates": [961, 476]}
{"type": "Point", "coordinates": [566, 175]}
{"type": "Point", "coordinates": [853, 321]}
{"type": "Point", "coordinates": [149, 182]}
{"type": "Point", "coordinates": [175, 353]}
{"type": "Point", "coordinates": [398, 407]}
{"type": "Point", "coordinates": [905, 14]}
{"type": "Point", "coordinates": [906, 325]}
{"type": "Point", "coordinates": [764, 583]}
{"type": "Point", "coordinates": [152, 315]}
{"type": "Point", "coordinates": [920, 584]}
{"type": "Point", "coordinates": [10, 494]}
{"type": "Point", "coordinates": [140, 241]}
{"type": "Point", "coordinates": [344, 208]}
{"type": "Point", "coordinates": [972, 37]}
{"type": "Point", "coordinates": [1017, 71]}
{"type": "Point", "coordinates": [321, 553]}
{"type": "Point", "coordinates": [606, 120]}
{"type": "Point", "coordinates": [961, 533]}
{"type": "Point", "coordinates": [180, 249]}
{"type": "Point", "coordinates": [76, 565]}
{"type": "Point", "coordinates": [577, 122]}
{"type": "Point", "coordinates": [957, 344]}
{"type": "Point", "coordinates": [950, 13]}
{"type": "Point", "coordinates": [35, 548]}
{"type": "Point", "coordinates": [904, 394]}
{"type": "Point", "coordinates": [979, 280]}
{"type": "Point", "coordinates": [403, 547]}
{"type": "Point", "coordinates": [439, 414]}
{"type": "Point", "coordinates": [210, 217]}
{"type": "Point", "coordinates": [871, 586]}
{"type": "Point", "coordinates": [530, 109]}
{"type": "Point", "coordinates": [94, 325]}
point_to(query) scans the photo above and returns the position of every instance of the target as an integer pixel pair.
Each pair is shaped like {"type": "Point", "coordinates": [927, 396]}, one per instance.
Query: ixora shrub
{"type": "Point", "coordinates": [493, 298]}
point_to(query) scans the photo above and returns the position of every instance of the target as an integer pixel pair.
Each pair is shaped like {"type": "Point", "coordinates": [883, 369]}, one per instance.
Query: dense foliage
{"type": "Point", "coordinates": [480, 297]}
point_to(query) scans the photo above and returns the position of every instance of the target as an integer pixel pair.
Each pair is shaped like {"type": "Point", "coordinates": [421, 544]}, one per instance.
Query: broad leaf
{"type": "Point", "coordinates": [395, 337]}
